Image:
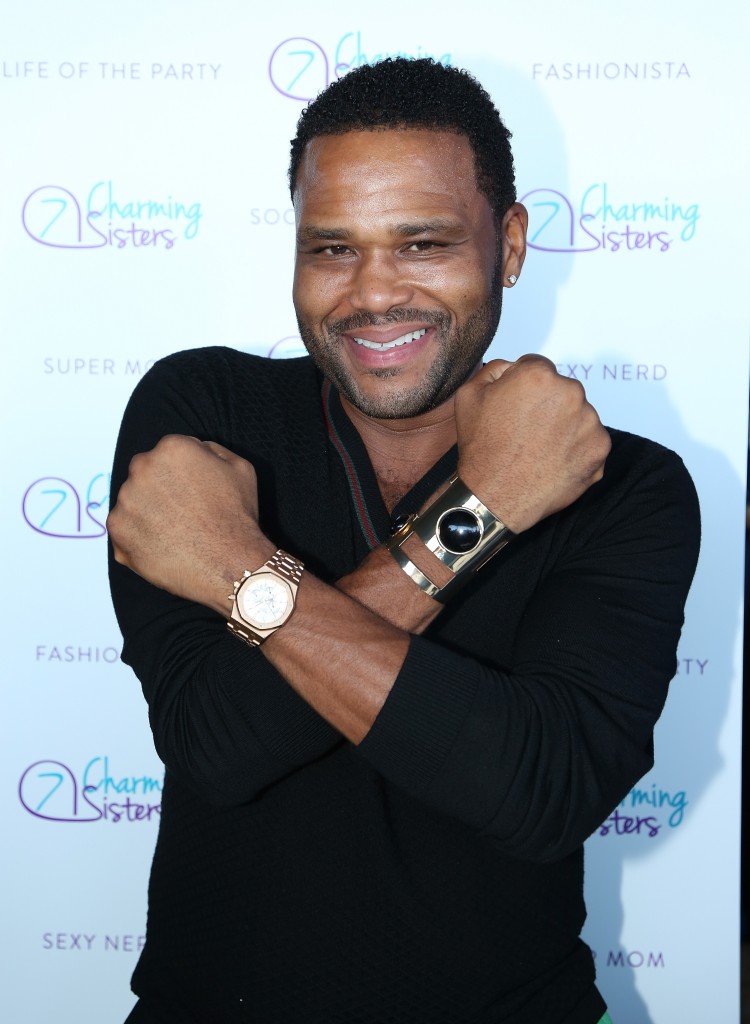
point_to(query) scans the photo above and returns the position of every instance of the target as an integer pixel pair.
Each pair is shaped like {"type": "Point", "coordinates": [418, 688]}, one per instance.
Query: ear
{"type": "Point", "coordinates": [513, 235]}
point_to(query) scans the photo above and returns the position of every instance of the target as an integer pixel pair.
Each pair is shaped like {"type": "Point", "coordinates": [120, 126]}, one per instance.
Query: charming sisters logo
{"type": "Point", "coordinates": [52, 790]}
{"type": "Point", "coordinates": [646, 812]}
{"type": "Point", "coordinates": [55, 507]}
{"type": "Point", "coordinates": [53, 215]}
{"type": "Point", "coordinates": [300, 68]}
{"type": "Point", "coordinates": [602, 222]}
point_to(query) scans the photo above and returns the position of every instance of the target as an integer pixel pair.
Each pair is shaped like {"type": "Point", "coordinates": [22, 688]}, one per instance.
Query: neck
{"type": "Point", "coordinates": [401, 451]}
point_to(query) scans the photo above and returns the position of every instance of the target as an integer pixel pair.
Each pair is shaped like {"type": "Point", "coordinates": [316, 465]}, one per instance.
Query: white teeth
{"type": "Point", "coordinates": [405, 339]}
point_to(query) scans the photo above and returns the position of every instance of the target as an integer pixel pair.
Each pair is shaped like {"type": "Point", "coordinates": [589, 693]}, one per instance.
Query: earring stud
{"type": "Point", "coordinates": [512, 279]}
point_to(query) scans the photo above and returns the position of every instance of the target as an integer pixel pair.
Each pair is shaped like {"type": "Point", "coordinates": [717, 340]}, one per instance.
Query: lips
{"type": "Point", "coordinates": [385, 346]}
{"type": "Point", "coordinates": [388, 346]}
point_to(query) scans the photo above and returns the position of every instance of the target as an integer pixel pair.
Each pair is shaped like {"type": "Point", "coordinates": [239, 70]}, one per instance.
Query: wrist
{"type": "Point", "coordinates": [379, 584]}
{"type": "Point", "coordinates": [248, 554]}
{"type": "Point", "coordinates": [451, 538]}
{"type": "Point", "coordinates": [500, 501]}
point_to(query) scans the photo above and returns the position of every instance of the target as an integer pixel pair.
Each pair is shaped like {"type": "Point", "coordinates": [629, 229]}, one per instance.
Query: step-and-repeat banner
{"type": "Point", "coordinates": [144, 209]}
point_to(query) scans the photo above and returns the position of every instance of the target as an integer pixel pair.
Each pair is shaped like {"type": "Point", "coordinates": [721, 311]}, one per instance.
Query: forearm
{"type": "Point", "coordinates": [220, 712]}
{"type": "Point", "coordinates": [343, 647]}
{"type": "Point", "coordinates": [481, 736]}
{"type": "Point", "coordinates": [379, 585]}
{"type": "Point", "coordinates": [223, 719]}
{"type": "Point", "coordinates": [535, 747]}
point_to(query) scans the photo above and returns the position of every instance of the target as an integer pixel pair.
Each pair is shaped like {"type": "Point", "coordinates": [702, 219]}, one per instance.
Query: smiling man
{"type": "Point", "coordinates": [384, 220]}
{"type": "Point", "coordinates": [453, 601]}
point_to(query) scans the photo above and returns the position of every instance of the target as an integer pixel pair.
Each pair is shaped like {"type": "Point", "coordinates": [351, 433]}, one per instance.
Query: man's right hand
{"type": "Point", "coordinates": [529, 442]}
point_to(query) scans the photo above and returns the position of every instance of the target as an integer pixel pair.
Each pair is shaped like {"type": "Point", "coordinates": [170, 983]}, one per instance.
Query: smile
{"type": "Point", "coordinates": [405, 339]}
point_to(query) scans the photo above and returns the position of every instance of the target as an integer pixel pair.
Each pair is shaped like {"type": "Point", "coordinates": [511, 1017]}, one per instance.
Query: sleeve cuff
{"type": "Point", "coordinates": [422, 716]}
{"type": "Point", "coordinates": [283, 723]}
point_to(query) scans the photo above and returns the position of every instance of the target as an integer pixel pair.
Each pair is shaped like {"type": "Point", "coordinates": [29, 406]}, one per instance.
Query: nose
{"type": "Point", "coordinates": [379, 284]}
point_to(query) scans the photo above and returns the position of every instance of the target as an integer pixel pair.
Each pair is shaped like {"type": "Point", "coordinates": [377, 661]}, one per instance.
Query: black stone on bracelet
{"type": "Point", "coordinates": [459, 531]}
{"type": "Point", "coordinates": [398, 523]}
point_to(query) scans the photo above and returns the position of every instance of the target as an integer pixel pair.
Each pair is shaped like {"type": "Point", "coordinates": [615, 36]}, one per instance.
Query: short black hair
{"type": "Point", "coordinates": [403, 93]}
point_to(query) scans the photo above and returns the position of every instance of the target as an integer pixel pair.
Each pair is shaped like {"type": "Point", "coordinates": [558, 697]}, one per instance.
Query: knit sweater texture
{"type": "Point", "coordinates": [432, 874]}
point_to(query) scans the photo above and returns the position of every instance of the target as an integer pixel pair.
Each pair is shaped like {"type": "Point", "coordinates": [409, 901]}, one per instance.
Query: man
{"type": "Point", "coordinates": [375, 805]}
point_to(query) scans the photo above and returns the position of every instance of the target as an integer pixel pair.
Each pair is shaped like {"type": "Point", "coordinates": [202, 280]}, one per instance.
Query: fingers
{"type": "Point", "coordinates": [535, 357]}
{"type": "Point", "coordinates": [219, 450]}
{"type": "Point", "coordinates": [532, 443]}
{"type": "Point", "coordinates": [186, 443]}
{"type": "Point", "coordinates": [534, 366]}
{"type": "Point", "coordinates": [112, 524]}
{"type": "Point", "coordinates": [491, 371]}
{"type": "Point", "coordinates": [175, 450]}
{"type": "Point", "coordinates": [120, 557]}
{"type": "Point", "coordinates": [496, 368]}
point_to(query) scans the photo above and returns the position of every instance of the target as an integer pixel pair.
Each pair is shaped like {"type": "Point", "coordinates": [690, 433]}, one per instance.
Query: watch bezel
{"type": "Point", "coordinates": [251, 581]}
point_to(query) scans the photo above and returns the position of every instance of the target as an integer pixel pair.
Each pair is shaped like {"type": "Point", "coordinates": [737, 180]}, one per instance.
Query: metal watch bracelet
{"type": "Point", "coordinates": [456, 528]}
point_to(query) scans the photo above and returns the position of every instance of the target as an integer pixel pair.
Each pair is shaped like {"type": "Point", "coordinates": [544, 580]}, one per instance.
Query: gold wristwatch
{"type": "Point", "coordinates": [264, 599]}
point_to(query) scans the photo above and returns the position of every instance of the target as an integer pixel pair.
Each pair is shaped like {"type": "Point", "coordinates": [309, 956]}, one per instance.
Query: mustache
{"type": "Point", "coordinates": [399, 315]}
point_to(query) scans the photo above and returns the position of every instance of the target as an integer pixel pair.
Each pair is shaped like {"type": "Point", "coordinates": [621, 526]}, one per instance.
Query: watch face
{"type": "Point", "coordinates": [264, 600]}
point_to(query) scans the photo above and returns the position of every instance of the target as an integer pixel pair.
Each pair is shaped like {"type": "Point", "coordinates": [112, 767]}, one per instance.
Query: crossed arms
{"type": "Point", "coordinates": [533, 754]}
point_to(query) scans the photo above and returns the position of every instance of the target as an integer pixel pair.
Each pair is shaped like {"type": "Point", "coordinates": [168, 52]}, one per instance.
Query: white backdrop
{"type": "Point", "coordinates": [144, 209]}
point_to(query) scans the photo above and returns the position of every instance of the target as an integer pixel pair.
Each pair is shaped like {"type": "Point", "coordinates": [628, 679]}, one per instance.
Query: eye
{"type": "Point", "coordinates": [423, 245]}
{"type": "Point", "coordinates": [334, 250]}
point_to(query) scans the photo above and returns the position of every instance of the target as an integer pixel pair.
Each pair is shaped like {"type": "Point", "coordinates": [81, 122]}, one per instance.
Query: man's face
{"type": "Point", "coordinates": [397, 284]}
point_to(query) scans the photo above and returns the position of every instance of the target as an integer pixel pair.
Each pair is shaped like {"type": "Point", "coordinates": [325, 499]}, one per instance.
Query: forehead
{"type": "Point", "coordinates": [379, 170]}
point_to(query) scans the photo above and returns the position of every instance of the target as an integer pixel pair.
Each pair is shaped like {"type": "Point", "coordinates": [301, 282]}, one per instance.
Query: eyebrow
{"type": "Point", "coordinates": [437, 226]}
{"type": "Point", "coordinates": [314, 233]}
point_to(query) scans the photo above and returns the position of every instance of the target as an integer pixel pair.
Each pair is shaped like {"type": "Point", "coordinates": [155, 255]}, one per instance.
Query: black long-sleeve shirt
{"type": "Point", "coordinates": [434, 872]}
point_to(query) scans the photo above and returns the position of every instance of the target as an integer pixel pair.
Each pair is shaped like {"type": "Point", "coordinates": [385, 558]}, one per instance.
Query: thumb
{"type": "Point", "coordinates": [471, 390]}
{"type": "Point", "coordinates": [490, 372]}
